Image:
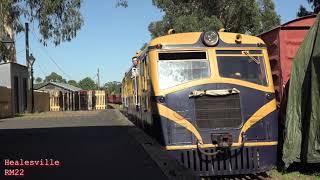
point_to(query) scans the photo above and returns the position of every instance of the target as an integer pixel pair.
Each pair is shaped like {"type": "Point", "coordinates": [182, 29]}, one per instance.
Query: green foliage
{"type": "Point", "coordinates": [193, 23]}
{"type": "Point", "coordinates": [113, 87]}
{"type": "Point", "coordinates": [57, 20]}
{"type": "Point", "coordinates": [54, 77]}
{"type": "Point", "coordinates": [303, 11]}
{"type": "Point", "coordinates": [7, 54]}
{"type": "Point", "coordinates": [267, 15]}
{"type": "Point", "coordinates": [315, 4]}
{"type": "Point", "coordinates": [122, 3]}
{"type": "Point", "coordinates": [243, 16]}
{"type": "Point", "coordinates": [73, 83]}
{"type": "Point", "coordinates": [38, 80]}
{"type": "Point", "coordinates": [87, 84]}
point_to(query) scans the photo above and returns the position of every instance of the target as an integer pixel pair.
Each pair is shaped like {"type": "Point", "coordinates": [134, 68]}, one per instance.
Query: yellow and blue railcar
{"type": "Point", "coordinates": [208, 98]}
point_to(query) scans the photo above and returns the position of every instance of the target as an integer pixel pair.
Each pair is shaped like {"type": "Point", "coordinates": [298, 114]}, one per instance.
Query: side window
{"type": "Point", "coordinates": [142, 66]}
{"type": "Point", "coordinates": [147, 68]}
{"type": "Point", "coordinates": [145, 74]}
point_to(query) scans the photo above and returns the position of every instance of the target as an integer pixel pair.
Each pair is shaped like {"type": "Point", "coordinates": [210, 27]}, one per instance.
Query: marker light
{"type": "Point", "coordinates": [158, 46]}
{"type": "Point", "coordinates": [210, 38]}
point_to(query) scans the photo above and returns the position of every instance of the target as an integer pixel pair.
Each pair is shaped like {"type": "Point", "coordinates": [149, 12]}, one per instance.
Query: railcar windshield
{"type": "Point", "coordinates": [247, 68]}
{"type": "Point", "coordinates": [179, 68]}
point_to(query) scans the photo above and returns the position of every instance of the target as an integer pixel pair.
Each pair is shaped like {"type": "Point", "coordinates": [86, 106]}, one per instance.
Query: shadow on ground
{"type": "Point", "coordinates": [260, 176]}
{"type": "Point", "coordinates": [110, 107]}
{"type": "Point", "coordinates": [100, 152]}
{"type": "Point", "coordinates": [303, 168]}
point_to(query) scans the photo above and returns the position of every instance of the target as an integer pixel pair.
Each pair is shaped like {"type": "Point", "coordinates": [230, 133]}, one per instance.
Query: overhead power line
{"type": "Point", "coordinates": [50, 58]}
{"type": "Point", "coordinates": [19, 37]}
{"type": "Point", "coordinates": [41, 70]}
{"type": "Point", "coordinates": [23, 50]}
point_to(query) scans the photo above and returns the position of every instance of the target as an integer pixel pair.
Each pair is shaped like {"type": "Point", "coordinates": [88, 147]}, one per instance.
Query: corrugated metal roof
{"type": "Point", "coordinates": [61, 85]}
{"type": "Point", "coordinates": [313, 16]}
{"type": "Point", "coordinates": [14, 64]}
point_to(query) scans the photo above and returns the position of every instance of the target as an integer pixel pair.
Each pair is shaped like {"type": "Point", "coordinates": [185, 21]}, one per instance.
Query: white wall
{"type": "Point", "coordinates": [7, 73]}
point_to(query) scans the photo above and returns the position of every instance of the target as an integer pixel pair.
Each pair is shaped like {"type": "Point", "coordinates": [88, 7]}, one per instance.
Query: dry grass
{"type": "Point", "coordinates": [274, 174]}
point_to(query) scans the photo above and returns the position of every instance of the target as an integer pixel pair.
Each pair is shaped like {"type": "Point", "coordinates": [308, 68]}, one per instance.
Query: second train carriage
{"type": "Point", "coordinates": [208, 98]}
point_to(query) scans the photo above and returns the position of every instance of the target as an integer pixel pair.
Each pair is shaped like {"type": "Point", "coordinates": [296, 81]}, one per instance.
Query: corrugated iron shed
{"type": "Point", "coordinates": [64, 86]}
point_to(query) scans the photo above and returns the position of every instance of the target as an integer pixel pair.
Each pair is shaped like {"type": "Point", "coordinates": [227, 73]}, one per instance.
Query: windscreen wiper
{"type": "Point", "coordinates": [251, 57]}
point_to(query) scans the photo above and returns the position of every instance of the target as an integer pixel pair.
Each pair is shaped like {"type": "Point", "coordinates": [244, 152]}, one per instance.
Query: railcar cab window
{"type": "Point", "coordinates": [245, 67]}
{"type": "Point", "coordinates": [182, 67]}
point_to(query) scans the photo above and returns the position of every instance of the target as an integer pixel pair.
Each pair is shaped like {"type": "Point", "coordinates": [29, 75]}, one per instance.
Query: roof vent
{"type": "Point", "coordinates": [238, 38]}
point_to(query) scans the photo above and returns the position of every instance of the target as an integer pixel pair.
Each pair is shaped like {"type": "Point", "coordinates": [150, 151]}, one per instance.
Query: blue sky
{"type": "Point", "coordinates": [109, 38]}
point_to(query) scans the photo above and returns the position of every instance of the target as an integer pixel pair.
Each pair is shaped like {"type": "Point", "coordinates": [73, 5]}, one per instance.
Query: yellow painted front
{"type": "Point", "coordinates": [193, 37]}
{"type": "Point", "coordinates": [151, 72]}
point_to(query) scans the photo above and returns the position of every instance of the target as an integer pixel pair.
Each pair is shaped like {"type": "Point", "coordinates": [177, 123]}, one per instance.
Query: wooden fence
{"type": "Point", "coordinates": [41, 101]}
{"type": "Point", "coordinates": [54, 100]}
{"type": "Point", "coordinates": [5, 102]}
{"type": "Point", "coordinates": [100, 100]}
{"type": "Point", "coordinates": [83, 100]}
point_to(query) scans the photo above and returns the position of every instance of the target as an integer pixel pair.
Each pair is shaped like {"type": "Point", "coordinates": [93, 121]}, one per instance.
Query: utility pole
{"type": "Point", "coordinates": [31, 62]}
{"type": "Point", "coordinates": [98, 75]}
{"type": "Point", "coordinates": [2, 57]}
{"type": "Point", "coordinates": [29, 66]}
{"type": "Point", "coordinates": [2, 20]}
{"type": "Point", "coordinates": [27, 44]}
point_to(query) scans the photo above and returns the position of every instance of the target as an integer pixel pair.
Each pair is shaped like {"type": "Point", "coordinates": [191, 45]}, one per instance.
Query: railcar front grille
{"type": "Point", "coordinates": [237, 161]}
{"type": "Point", "coordinates": [218, 111]}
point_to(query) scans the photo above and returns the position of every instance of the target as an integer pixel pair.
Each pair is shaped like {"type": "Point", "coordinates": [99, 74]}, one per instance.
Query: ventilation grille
{"type": "Point", "coordinates": [238, 161]}
{"type": "Point", "coordinates": [218, 111]}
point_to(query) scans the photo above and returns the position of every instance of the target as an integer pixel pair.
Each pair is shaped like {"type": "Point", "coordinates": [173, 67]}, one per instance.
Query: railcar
{"type": "Point", "coordinates": [114, 98]}
{"type": "Point", "coordinates": [208, 98]}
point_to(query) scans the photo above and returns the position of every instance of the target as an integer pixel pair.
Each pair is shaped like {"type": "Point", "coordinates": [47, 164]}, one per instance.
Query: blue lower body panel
{"type": "Point", "coordinates": [246, 160]}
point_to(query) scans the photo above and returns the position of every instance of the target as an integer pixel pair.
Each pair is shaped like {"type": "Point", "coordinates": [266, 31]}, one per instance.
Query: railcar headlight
{"type": "Point", "coordinates": [210, 38]}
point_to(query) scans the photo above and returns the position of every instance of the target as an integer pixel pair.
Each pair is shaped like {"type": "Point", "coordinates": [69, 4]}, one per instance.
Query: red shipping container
{"type": "Point", "coordinates": [282, 43]}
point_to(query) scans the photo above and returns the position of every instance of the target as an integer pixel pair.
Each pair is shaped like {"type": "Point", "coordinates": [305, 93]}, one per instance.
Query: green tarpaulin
{"type": "Point", "coordinates": [302, 123]}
